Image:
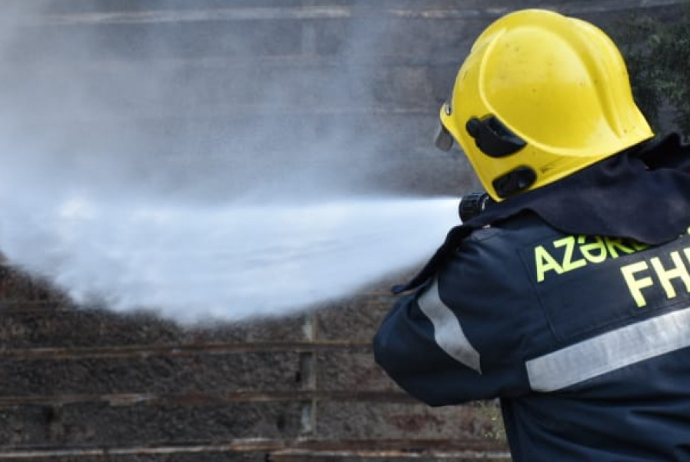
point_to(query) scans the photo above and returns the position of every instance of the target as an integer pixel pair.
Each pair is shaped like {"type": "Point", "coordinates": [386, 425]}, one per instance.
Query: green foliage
{"type": "Point", "coordinates": [658, 57]}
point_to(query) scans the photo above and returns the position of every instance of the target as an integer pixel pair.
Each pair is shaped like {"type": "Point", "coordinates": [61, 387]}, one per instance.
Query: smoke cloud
{"type": "Point", "coordinates": [200, 163]}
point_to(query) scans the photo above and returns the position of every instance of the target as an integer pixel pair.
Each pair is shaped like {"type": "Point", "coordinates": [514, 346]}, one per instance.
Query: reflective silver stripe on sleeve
{"type": "Point", "coordinates": [610, 351]}
{"type": "Point", "coordinates": [448, 332]}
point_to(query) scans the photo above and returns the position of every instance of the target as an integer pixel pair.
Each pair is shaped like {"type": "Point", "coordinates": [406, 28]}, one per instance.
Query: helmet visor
{"type": "Point", "coordinates": [443, 140]}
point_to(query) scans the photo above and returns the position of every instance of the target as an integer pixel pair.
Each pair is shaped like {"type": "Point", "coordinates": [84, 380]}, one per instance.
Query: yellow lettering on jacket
{"type": "Point", "coordinates": [594, 252]}
{"type": "Point", "coordinates": [545, 262]}
{"type": "Point", "coordinates": [636, 284]}
{"type": "Point", "coordinates": [658, 271]}
{"type": "Point", "coordinates": [574, 252]}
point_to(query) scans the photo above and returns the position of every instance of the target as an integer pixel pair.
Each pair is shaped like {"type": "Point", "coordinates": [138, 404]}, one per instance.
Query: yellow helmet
{"type": "Point", "coordinates": [539, 97]}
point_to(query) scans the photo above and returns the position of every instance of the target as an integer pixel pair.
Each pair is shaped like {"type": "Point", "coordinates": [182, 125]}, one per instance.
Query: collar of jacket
{"type": "Point", "coordinates": [642, 193]}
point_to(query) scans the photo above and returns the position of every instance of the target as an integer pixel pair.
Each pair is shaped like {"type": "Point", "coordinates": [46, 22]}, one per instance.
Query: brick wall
{"type": "Point", "coordinates": [85, 384]}
{"type": "Point", "coordinates": [89, 385]}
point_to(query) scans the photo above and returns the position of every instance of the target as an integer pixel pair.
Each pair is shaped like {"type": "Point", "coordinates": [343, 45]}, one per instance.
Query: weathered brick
{"type": "Point", "coordinates": [137, 40]}
{"type": "Point", "coordinates": [228, 87]}
{"type": "Point", "coordinates": [402, 456]}
{"type": "Point", "coordinates": [17, 286]}
{"type": "Point", "coordinates": [24, 425]}
{"type": "Point", "coordinates": [24, 326]}
{"type": "Point", "coordinates": [143, 374]}
{"type": "Point", "coordinates": [348, 371]}
{"type": "Point", "coordinates": [86, 6]}
{"type": "Point", "coordinates": [113, 456]}
{"type": "Point", "coordinates": [392, 420]}
{"type": "Point", "coordinates": [352, 320]}
{"type": "Point", "coordinates": [91, 425]}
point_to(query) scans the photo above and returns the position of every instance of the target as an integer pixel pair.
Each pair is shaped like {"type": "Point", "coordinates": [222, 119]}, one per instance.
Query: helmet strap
{"type": "Point", "coordinates": [515, 181]}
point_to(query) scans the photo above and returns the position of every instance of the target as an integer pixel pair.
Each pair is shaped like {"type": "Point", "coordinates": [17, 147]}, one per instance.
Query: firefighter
{"type": "Point", "coordinates": [568, 297]}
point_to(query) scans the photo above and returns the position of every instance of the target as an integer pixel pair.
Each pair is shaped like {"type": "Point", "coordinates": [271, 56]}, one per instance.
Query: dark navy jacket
{"type": "Point", "coordinates": [585, 340]}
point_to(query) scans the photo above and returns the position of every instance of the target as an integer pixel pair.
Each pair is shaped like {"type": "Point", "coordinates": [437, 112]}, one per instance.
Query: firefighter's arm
{"type": "Point", "coordinates": [422, 346]}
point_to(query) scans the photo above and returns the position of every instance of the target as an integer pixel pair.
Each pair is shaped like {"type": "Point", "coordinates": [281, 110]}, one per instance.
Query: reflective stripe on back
{"type": "Point", "coordinates": [448, 332]}
{"type": "Point", "coordinates": [610, 351]}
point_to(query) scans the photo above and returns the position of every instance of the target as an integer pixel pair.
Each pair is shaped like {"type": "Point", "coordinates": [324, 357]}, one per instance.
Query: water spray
{"type": "Point", "coordinates": [209, 186]}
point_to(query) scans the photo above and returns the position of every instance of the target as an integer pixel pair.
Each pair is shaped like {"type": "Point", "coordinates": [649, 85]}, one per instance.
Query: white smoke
{"type": "Point", "coordinates": [191, 185]}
